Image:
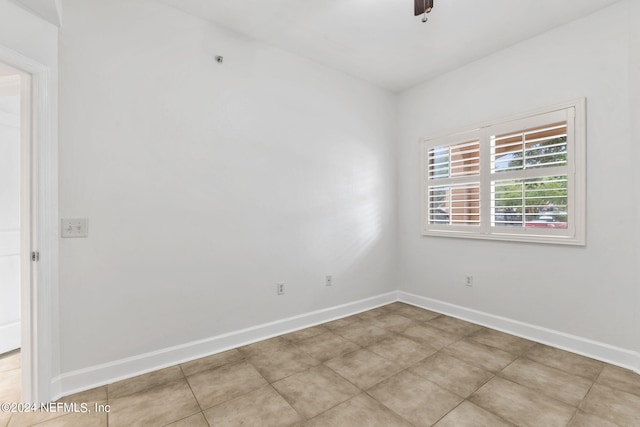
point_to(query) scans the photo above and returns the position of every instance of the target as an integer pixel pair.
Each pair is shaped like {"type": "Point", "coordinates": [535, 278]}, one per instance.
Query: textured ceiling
{"type": "Point", "coordinates": [380, 40]}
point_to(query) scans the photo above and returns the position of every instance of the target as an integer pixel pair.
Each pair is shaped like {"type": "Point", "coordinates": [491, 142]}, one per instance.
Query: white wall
{"type": "Point", "coordinates": [590, 292]}
{"type": "Point", "coordinates": [205, 184]}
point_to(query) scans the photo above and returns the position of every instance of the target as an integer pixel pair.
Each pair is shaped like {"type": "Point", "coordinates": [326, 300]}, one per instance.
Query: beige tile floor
{"type": "Point", "coordinates": [396, 365]}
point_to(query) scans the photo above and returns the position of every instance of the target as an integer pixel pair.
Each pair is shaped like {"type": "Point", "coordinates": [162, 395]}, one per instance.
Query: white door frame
{"type": "Point", "coordinates": [39, 316]}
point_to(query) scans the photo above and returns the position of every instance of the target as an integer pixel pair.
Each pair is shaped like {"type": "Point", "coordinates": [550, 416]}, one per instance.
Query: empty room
{"type": "Point", "coordinates": [319, 213]}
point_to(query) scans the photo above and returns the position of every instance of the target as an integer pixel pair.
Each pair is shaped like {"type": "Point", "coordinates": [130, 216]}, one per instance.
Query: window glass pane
{"type": "Point", "coordinates": [531, 203]}
{"type": "Point", "coordinates": [439, 162]}
{"type": "Point", "coordinates": [454, 204]}
{"type": "Point", "coordinates": [454, 160]}
{"type": "Point", "coordinates": [543, 146]}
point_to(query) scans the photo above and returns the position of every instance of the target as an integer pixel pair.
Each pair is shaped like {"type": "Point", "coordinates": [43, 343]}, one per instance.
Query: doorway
{"type": "Point", "coordinates": [39, 354]}
{"type": "Point", "coordinates": [15, 225]}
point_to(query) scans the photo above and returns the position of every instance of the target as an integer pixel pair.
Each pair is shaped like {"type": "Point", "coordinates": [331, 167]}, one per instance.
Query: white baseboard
{"type": "Point", "coordinates": [95, 376]}
{"type": "Point", "coordinates": [10, 337]}
{"type": "Point", "coordinates": [596, 350]}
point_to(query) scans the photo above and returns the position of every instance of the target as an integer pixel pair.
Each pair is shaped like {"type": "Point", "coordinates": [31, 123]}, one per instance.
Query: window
{"type": "Point", "coordinates": [518, 179]}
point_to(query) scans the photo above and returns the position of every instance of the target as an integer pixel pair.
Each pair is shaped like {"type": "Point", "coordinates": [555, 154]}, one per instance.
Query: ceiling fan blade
{"type": "Point", "coordinates": [422, 6]}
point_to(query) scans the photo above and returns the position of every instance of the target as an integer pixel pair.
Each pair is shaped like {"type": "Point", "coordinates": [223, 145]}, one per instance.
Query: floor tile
{"type": "Point", "coordinates": [429, 335]}
{"type": "Point", "coordinates": [469, 415]}
{"type": "Point", "coordinates": [143, 382]}
{"type": "Point", "coordinates": [10, 386]}
{"type": "Point", "coordinates": [363, 368]}
{"type": "Point", "coordinates": [621, 379]}
{"type": "Point", "coordinates": [565, 361]}
{"type": "Point", "coordinates": [506, 342]}
{"type": "Point", "coordinates": [452, 374]}
{"type": "Point", "coordinates": [417, 400]}
{"type": "Point", "coordinates": [92, 396]}
{"type": "Point", "coordinates": [215, 386]}
{"type": "Point", "coordinates": [307, 333]}
{"type": "Point", "coordinates": [453, 325]}
{"type": "Point", "coordinates": [543, 387]}
{"type": "Point", "coordinates": [10, 361]}
{"type": "Point", "coordinates": [158, 406]}
{"type": "Point", "coordinates": [520, 405]}
{"type": "Point", "coordinates": [613, 405]}
{"type": "Point", "coordinates": [394, 306]}
{"type": "Point", "coordinates": [370, 315]}
{"type": "Point", "coordinates": [340, 323]}
{"type": "Point", "coordinates": [360, 411]}
{"type": "Point", "coordinates": [480, 355]}
{"type": "Point", "coordinates": [260, 347]}
{"type": "Point", "coordinates": [314, 391]}
{"type": "Point", "coordinates": [393, 322]}
{"type": "Point", "coordinates": [25, 419]}
{"type": "Point", "coordinates": [196, 420]}
{"type": "Point", "coordinates": [567, 388]}
{"type": "Point", "coordinates": [403, 351]}
{"type": "Point", "coordinates": [582, 419]}
{"type": "Point", "coordinates": [327, 346]}
{"type": "Point", "coordinates": [211, 362]}
{"type": "Point", "coordinates": [363, 334]}
{"type": "Point", "coordinates": [275, 365]}
{"type": "Point", "coordinates": [416, 313]}
{"type": "Point", "coordinates": [77, 420]}
{"type": "Point", "coordinates": [262, 407]}
{"type": "Point", "coordinates": [377, 311]}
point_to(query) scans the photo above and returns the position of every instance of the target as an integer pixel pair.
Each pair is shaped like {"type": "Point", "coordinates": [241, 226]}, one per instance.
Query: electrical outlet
{"type": "Point", "coordinates": [469, 280]}
{"type": "Point", "coordinates": [280, 288]}
{"type": "Point", "coordinates": [329, 281]}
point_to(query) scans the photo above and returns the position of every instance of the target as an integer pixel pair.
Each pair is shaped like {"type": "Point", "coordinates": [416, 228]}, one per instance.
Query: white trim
{"type": "Point", "coordinates": [573, 112]}
{"type": "Point", "coordinates": [596, 350]}
{"type": "Point", "coordinates": [37, 314]}
{"type": "Point", "coordinates": [580, 102]}
{"type": "Point", "coordinates": [95, 376]}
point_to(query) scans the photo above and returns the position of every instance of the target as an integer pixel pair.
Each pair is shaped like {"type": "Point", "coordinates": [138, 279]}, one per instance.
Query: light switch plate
{"type": "Point", "coordinates": [76, 227]}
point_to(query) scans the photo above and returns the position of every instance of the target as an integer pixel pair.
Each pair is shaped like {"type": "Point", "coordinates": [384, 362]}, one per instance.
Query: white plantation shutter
{"type": "Point", "coordinates": [536, 202]}
{"type": "Point", "coordinates": [453, 189]}
{"type": "Point", "coordinates": [533, 153]}
{"type": "Point", "coordinates": [530, 148]}
{"type": "Point", "coordinates": [521, 179]}
{"type": "Point", "coordinates": [457, 204]}
{"type": "Point", "coordinates": [455, 160]}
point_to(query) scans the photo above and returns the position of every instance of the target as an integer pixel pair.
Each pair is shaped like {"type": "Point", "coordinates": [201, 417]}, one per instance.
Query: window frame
{"type": "Point", "coordinates": [574, 234]}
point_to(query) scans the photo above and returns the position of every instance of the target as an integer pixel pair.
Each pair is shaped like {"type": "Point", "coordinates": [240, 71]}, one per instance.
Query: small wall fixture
{"type": "Point", "coordinates": [422, 7]}
{"type": "Point", "coordinates": [219, 59]}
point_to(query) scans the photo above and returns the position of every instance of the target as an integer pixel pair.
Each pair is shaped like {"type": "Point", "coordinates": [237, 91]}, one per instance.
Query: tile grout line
{"type": "Point", "coordinates": [235, 397]}
{"type": "Point", "coordinates": [587, 394]}
{"type": "Point", "coordinates": [287, 401]}
{"type": "Point", "coordinates": [464, 399]}
{"type": "Point", "coordinates": [194, 396]}
{"type": "Point", "coordinates": [542, 362]}
{"type": "Point", "coordinates": [362, 391]}
{"type": "Point", "coordinates": [394, 333]}
{"type": "Point", "coordinates": [392, 361]}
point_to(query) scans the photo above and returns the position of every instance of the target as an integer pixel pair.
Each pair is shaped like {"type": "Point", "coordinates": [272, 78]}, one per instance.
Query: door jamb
{"type": "Point", "coordinates": [39, 296]}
